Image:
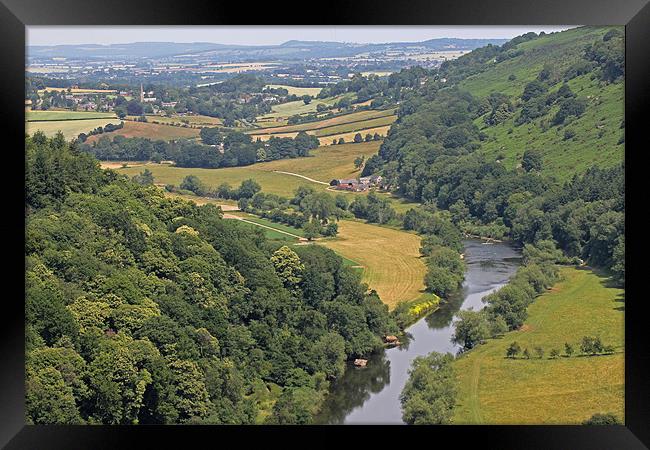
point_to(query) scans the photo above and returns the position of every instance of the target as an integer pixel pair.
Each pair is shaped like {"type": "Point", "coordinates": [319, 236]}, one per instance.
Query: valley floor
{"type": "Point", "coordinates": [497, 390]}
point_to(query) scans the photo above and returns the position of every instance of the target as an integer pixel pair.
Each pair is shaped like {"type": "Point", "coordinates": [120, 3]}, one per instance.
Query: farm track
{"type": "Point", "coordinates": [232, 216]}
{"type": "Point", "coordinates": [301, 176]}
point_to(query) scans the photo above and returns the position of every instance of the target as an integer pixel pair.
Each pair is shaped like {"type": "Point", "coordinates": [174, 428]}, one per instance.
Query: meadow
{"type": "Point", "coordinates": [70, 128]}
{"type": "Point", "coordinates": [151, 131]}
{"type": "Point", "coordinates": [497, 390]}
{"type": "Point", "coordinates": [298, 107]}
{"type": "Point", "coordinates": [299, 91]}
{"type": "Point", "coordinates": [50, 115]}
{"type": "Point", "coordinates": [325, 164]}
{"type": "Point", "coordinates": [358, 116]}
{"type": "Point", "coordinates": [593, 139]}
{"type": "Point", "coordinates": [191, 120]}
{"type": "Point", "coordinates": [390, 259]}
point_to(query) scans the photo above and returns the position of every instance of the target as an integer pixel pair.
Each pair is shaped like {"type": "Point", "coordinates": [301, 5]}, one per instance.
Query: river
{"type": "Point", "coordinates": [370, 395]}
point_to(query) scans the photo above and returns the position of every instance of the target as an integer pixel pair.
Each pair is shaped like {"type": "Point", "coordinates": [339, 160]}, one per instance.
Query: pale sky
{"type": "Point", "coordinates": [268, 35]}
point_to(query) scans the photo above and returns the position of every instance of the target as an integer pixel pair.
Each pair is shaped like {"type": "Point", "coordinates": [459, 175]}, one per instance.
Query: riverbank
{"type": "Point", "coordinates": [497, 390]}
{"type": "Point", "coordinates": [370, 395]}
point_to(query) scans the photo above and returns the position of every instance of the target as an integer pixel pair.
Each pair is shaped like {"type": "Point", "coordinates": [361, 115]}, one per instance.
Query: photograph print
{"type": "Point", "coordinates": [289, 225]}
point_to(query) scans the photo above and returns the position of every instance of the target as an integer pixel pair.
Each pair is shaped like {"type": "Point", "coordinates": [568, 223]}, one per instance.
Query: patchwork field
{"type": "Point", "coordinates": [390, 258]}
{"type": "Point", "coordinates": [497, 390]}
{"type": "Point", "coordinates": [328, 139]}
{"type": "Point", "coordinates": [360, 116]}
{"type": "Point", "coordinates": [151, 131]}
{"type": "Point", "coordinates": [298, 107]}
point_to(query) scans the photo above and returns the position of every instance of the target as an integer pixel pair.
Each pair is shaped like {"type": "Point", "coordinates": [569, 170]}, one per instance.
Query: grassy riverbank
{"type": "Point", "coordinates": [497, 390]}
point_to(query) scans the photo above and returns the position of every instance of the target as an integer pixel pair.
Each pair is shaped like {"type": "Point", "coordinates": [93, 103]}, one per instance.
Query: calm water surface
{"type": "Point", "coordinates": [371, 395]}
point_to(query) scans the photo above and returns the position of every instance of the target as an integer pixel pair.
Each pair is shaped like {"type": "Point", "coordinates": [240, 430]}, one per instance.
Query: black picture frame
{"type": "Point", "coordinates": [16, 14]}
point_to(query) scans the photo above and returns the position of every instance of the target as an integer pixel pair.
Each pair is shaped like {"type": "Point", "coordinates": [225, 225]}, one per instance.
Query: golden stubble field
{"type": "Point", "coordinates": [390, 259]}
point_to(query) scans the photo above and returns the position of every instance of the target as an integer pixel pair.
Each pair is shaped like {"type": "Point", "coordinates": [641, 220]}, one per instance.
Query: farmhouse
{"type": "Point", "coordinates": [351, 184]}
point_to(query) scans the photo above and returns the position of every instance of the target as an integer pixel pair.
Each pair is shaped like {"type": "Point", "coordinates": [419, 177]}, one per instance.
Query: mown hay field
{"type": "Point", "coordinates": [390, 258]}
{"type": "Point", "coordinates": [496, 390]}
{"type": "Point", "coordinates": [70, 128]}
{"type": "Point", "coordinates": [151, 131]}
{"type": "Point", "coordinates": [358, 116]}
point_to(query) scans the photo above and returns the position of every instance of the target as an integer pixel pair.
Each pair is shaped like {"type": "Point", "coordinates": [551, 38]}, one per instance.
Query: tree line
{"type": "Point", "coordinates": [218, 149]}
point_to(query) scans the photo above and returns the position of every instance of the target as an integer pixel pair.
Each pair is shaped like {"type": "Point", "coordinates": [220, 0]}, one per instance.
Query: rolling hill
{"type": "Point", "coordinates": [593, 139]}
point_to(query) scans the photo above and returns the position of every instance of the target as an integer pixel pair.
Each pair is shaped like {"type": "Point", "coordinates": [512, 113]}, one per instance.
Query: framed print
{"type": "Point", "coordinates": [378, 215]}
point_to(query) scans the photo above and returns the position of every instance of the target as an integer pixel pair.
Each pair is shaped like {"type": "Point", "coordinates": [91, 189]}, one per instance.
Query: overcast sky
{"type": "Point", "coordinates": [267, 35]}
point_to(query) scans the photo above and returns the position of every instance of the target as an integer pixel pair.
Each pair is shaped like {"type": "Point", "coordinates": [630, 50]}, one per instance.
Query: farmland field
{"type": "Point", "coordinates": [390, 258]}
{"type": "Point", "coordinates": [497, 390]}
{"type": "Point", "coordinates": [40, 116]}
{"type": "Point", "coordinates": [359, 116]}
{"type": "Point", "coordinates": [193, 120]}
{"type": "Point", "coordinates": [325, 164]}
{"type": "Point", "coordinates": [299, 91]}
{"type": "Point", "coordinates": [70, 128]}
{"type": "Point", "coordinates": [151, 131]}
{"type": "Point", "coordinates": [298, 107]}
{"type": "Point", "coordinates": [327, 139]}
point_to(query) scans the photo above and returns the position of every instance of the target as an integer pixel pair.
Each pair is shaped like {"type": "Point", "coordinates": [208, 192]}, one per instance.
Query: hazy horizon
{"type": "Point", "coordinates": [267, 35]}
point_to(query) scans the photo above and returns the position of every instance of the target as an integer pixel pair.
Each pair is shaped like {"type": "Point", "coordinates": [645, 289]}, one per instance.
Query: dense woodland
{"type": "Point", "coordinates": [145, 309]}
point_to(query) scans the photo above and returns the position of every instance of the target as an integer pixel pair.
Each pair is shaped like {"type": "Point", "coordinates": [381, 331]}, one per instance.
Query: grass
{"type": "Point", "coordinates": [359, 116]}
{"type": "Point", "coordinates": [270, 223]}
{"type": "Point", "coordinates": [299, 91]}
{"type": "Point", "coordinates": [497, 390]}
{"type": "Point", "coordinates": [151, 131]}
{"type": "Point", "coordinates": [271, 235]}
{"type": "Point", "coordinates": [70, 128]}
{"type": "Point", "coordinates": [390, 258]}
{"type": "Point", "coordinates": [325, 164]}
{"type": "Point", "coordinates": [40, 116]}
{"type": "Point", "coordinates": [298, 107]}
{"type": "Point", "coordinates": [348, 137]}
{"type": "Point", "coordinates": [193, 120]}
{"type": "Point", "coordinates": [597, 131]}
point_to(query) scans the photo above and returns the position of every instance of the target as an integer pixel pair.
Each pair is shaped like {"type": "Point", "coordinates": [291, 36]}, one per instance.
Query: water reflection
{"type": "Point", "coordinates": [371, 395]}
{"type": "Point", "coordinates": [354, 388]}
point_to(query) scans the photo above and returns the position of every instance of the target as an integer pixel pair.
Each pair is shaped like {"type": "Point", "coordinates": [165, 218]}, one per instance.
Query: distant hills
{"type": "Point", "coordinates": [290, 50]}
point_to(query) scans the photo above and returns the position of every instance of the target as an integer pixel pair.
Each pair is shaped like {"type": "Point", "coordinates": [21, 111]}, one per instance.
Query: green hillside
{"type": "Point", "coordinates": [593, 139]}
